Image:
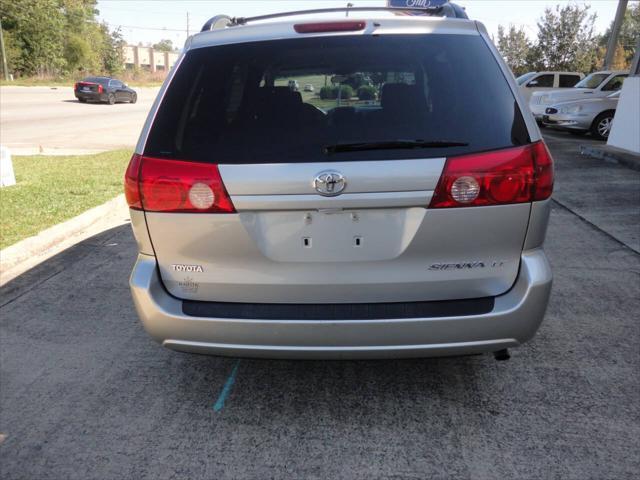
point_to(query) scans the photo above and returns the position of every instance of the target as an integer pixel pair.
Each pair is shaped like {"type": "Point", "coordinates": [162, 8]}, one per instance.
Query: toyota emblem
{"type": "Point", "coordinates": [329, 183]}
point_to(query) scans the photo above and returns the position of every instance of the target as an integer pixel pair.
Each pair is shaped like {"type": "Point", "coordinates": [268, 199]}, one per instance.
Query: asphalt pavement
{"type": "Point", "coordinates": [50, 119]}
{"type": "Point", "coordinates": [86, 394]}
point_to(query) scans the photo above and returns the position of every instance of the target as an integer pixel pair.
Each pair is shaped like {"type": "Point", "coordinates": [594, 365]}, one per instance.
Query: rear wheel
{"type": "Point", "coordinates": [134, 97]}
{"type": "Point", "coordinates": [601, 126]}
{"type": "Point", "coordinates": [111, 99]}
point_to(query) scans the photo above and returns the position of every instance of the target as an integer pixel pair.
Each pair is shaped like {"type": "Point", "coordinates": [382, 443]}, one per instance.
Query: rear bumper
{"type": "Point", "coordinates": [515, 317]}
{"type": "Point", "coordinates": [91, 96]}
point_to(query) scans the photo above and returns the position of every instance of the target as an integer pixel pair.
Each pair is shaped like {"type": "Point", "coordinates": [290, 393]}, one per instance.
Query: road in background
{"type": "Point", "coordinates": [86, 394]}
{"type": "Point", "coordinates": [51, 120]}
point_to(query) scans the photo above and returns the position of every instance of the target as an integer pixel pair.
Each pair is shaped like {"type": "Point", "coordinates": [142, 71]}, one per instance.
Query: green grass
{"type": "Point", "coordinates": [52, 189]}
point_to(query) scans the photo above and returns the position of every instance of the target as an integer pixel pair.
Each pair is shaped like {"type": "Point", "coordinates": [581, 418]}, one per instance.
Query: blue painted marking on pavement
{"type": "Point", "coordinates": [226, 390]}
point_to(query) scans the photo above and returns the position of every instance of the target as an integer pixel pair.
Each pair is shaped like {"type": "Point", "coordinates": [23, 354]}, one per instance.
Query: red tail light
{"type": "Point", "coordinates": [100, 89]}
{"type": "Point", "coordinates": [158, 185]}
{"type": "Point", "coordinates": [515, 175]}
{"type": "Point", "coordinates": [75, 86]}
{"type": "Point", "coordinates": [348, 26]}
{"type": "Point", "coordinates": [543, 164]}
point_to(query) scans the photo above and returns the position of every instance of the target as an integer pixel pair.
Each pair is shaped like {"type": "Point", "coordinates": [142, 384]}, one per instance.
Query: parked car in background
{"type": "Point", "coordinates": [596, 85]}
{"type": "Point", "coordinates": [593, 115]}
{"type": "Point", "coordinates": [294, 85]}
{"type": "Point", "coordinates": [308, 88]}
{"type": "Point", "coordinates": [544, 81]}
{"type": "Point", "coordinates": [105, 90]}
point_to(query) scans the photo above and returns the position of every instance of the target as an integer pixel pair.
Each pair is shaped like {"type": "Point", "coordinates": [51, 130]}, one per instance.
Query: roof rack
{"type": "Point", "coordinates": [448, 9]}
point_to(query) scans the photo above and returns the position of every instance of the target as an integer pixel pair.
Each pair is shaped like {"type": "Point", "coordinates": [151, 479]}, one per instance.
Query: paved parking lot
{"type": "Point", "coordinates": [87, 395]}
{"type": "Point", "coordinates": [35, 118]}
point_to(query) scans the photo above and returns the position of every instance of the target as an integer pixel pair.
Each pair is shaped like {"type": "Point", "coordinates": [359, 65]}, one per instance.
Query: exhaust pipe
{"type": "Point", "coordinates": [502, 355]}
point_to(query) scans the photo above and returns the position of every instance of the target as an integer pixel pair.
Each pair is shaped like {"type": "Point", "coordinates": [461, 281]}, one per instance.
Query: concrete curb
{"type": "Point", "coordinates": [26, 254]}
{"type": "Point", "coordinates": [612, 154]}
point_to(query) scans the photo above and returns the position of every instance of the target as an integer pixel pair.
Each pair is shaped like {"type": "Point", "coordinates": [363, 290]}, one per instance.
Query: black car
{"type": "Point", "coordinates": [104, 89]}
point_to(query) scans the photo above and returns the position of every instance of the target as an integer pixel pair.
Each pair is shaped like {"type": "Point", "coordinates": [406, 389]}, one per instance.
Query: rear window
{"type": "Point", "coordinates": [244, 103]}
{"type": "Point", "coordinates": [101, 80]}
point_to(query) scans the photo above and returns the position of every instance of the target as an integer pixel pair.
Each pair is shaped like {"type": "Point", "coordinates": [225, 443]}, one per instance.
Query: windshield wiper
{"type": "Point", "coordinates": [390, 145]}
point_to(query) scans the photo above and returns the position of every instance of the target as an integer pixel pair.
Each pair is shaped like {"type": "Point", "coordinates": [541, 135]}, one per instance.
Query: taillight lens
{"type": "Point", "coordinates": [75, 86]}
{"type": "Point", "coordinates": [131, 179]}
{"type": "Point", "coordinates": [515, 175]}
{"type": "Point", "coordinates": [100, 89]}
{"type": "Point", "coordinates": [342, 26]}
{"type": "Point", "coordinates": [543, 164]}
{"type": "Point", "coordinates": [158, 185]}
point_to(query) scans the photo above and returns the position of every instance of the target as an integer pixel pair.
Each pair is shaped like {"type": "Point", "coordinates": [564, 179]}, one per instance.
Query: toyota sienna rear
{"type": "Point", "coordinates": [397, 209]}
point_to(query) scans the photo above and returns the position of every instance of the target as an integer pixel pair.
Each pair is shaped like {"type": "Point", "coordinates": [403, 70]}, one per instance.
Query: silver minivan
{"type": "Point", "coordinates": [277, 223]}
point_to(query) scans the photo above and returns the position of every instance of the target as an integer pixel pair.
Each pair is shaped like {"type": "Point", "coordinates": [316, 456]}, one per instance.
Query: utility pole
{"type": "Point", "coordinates": [615, 32]}
{"type": "Point", "coordinates": [4, 55]}
{"type": "Point", "coordinates": [187, 24]}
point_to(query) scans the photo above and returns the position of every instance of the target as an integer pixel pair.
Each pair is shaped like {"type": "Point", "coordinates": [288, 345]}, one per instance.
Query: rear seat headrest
{"type": "Point", "coordinates": [282, 95]}
{"type": "Point", "coordinates": [395, 96]}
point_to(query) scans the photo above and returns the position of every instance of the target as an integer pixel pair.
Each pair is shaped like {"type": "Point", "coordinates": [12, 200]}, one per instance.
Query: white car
{"type": "Point", "coordinates": [596, 85]}
{"type": "Point", "coordinates": [544, 81]}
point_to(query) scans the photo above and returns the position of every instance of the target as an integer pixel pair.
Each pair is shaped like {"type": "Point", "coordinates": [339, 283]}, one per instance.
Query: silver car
{"type": "Point", "coordinates": [269, 225]}
{"type": "Point", "coordinates": [593, 115]}
{"type": "Point", "coordinates": [596, 85]}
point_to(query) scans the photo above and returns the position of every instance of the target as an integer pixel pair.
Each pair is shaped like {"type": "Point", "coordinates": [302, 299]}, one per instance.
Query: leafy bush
{"type": "Point", "coordinates": [367, 92]}
{"type": "Point", "coordinates": [326, 93]}
{"type": "Point", "coordinates": [331, 93]}
{"type": "Point", "coordinates": [346, 92]}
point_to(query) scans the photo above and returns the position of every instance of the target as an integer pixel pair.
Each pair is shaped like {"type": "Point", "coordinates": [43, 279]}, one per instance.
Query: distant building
{"type": "Point", "coordinates": [146, 58]}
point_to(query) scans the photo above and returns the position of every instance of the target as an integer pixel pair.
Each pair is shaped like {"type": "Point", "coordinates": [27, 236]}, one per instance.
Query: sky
{"type": "Point", "coordinates": [149, 21]}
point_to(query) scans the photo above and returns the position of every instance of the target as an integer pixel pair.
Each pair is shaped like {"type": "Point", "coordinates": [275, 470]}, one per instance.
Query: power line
{"type": "Point", "coordinates": [115, 25]}
{"type": "Point", "coordinates": [130, 10]}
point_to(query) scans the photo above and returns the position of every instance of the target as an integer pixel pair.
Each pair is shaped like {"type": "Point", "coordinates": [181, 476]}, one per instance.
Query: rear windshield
{"type": "Point", "coordinates": [251, 102]}
{"type": "Point", "coordinates": [101, 80]}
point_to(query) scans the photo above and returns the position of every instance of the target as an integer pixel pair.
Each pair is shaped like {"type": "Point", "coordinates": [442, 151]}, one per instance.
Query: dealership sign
{"type": "Point", "coordinates": [426, 4]}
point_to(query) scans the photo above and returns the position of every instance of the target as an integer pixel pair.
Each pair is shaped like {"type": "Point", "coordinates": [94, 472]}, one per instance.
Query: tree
{"type": "Point", "coordinates": [77, 53]}
{"type": "Point", "coordinates": [113, 53]}
{"type": "Point", "coordinates": [164, 45]}
{"type": "Point", "coordinates": [54, 37]}
{"type": "Point", "coordinates": [35, 29]}
{"type": "Point", "coordinates": [514, 47]}
{"type": "Point", "coordinates": [566, 40]}
{"type": "Point", "coordinates": [627, 40]}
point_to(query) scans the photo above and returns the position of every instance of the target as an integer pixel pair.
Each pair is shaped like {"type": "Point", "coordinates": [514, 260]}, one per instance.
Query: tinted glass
{"type": "Point", "coordinates": [592, 81]}
{"type": "Point", "coordinates": [568, 80]}
{"type": "Point", "coordinates": [542, 81]}
{"type": "Point", "coordinates": [615, 83]}
{"type": "Point", "coordinates": [244, 103]}
{"type": "Point", "coordinates": [101, 80]}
